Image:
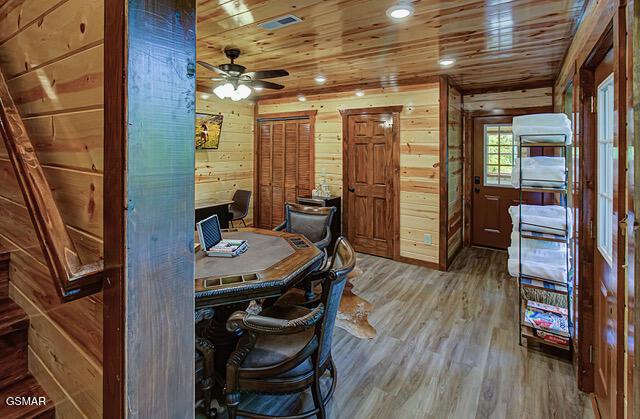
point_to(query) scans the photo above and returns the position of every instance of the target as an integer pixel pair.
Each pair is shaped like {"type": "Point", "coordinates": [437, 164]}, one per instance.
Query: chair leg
{"type": "Point", "coordinates": [317, 398]}
{"type": "Point", "coordinates": [243, 223]}
{"type": "Point", "coordinates": [232, 401]}
{"type": "Point", "coordinates": [309, 294]}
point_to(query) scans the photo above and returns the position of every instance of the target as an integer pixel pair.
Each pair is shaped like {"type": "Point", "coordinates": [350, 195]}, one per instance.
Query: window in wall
{"type": "Point", "coordinates": [605, 110]}
{"type": "Point", "coordinates": [499, 154]}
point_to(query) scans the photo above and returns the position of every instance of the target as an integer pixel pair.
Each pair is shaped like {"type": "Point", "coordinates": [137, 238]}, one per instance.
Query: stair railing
{"type": "Point", "coordinates": [73, 279]}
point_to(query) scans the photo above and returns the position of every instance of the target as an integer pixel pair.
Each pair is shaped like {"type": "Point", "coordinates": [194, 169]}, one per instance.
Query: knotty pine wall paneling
{"type": "Point", "coordinates": [220, 172]}
{"type": "Point", "coordinates": [493, 101]}
{"type": "Point", "coordinates": [419, 154]}
{"type": "Point", "coordinates": [51, 53]}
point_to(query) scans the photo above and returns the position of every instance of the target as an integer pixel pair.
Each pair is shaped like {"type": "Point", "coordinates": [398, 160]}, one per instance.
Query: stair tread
{"type": "Point", "coordinates": [27, 387]}
{"type": "Point", "coordinates": [12, 317]}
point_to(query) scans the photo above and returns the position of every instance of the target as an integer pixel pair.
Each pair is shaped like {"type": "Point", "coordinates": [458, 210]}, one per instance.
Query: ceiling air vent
{"type": "Point", "coordinates": [280, 22]}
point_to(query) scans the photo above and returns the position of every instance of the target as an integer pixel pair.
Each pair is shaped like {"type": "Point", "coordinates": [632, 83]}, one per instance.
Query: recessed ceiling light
{"type": "Point", "coordinates": [400, 11]}
{"type": "Point", "coordinates": [359, 93]}
{"type": "Point", "coordinates": [320, 79]}
{"type": "Point", "coordinates": [301, 98]}
{"type": "Point", "coordinates": [446, 62]}
{"type": "Point", "coordinates": [205, 96]}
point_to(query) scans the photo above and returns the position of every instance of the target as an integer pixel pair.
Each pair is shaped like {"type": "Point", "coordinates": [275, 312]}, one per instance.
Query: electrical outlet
{"type": "Point", "coordinates": [427, 238]}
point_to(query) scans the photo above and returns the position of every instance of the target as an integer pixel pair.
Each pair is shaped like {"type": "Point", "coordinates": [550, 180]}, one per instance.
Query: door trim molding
{"type": "Point", "coordinates": [443, 245]}
{"type": "Point", "coordinates": [586, 203]}
{"type": "Point", "coordinates": [395, 155]}
{"type": "Point", "coordinates": [262, 117]}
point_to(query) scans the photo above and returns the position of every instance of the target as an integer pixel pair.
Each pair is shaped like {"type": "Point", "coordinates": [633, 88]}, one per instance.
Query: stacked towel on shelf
{"type": "Point", "coordinates": [541, 259]}
{"type": "Point", "coordinates": [542, 127]}
{"type": "Point", "coordinates": [549, 219]}
{"type": "Point", "coordinates": [541, 171]}
{"type": "Point", "coordinates": [546, 264]}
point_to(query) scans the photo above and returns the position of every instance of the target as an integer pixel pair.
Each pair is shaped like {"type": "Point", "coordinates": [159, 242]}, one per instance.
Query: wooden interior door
{"type": "Point", "coordinates": [605, 252]}
{"type": "Point", "coordinates": [493, 193]}
{"type": "Point", "coordinates": [371, 183]}
{"type": "Point", "coordinates": [285, 166]}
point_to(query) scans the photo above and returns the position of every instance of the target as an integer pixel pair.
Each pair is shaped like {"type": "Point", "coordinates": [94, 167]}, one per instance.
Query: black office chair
{"type": "Point", "coordinates": [240, 207]}
{"type": "Point", "coordinates": [287, 349]}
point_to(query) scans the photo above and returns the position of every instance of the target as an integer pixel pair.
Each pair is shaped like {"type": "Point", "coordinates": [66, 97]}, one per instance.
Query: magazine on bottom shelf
{"type": "Point", "coordinates": [547, 318]}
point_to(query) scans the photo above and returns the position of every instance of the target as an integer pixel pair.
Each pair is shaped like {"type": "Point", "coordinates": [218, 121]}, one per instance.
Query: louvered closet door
{"type": "Point", "coordinates": [285, 167]}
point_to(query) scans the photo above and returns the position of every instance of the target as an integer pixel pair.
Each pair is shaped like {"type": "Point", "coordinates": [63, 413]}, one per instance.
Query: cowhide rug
{"type": "Point", "coordinates": [353, 313]}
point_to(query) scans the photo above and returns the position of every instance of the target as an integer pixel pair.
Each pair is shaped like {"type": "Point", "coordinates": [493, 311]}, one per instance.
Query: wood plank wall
{"type": "Point", "coordinates": [220, 172]}
{"type": "Point", "coordinates": [454, 172]}
{"type": "Point", "coordinates": [52, 55]}
{"type": "Point", "coordinates": [493, 101]}
{"type": "Point", "coordinates": [419, 154]}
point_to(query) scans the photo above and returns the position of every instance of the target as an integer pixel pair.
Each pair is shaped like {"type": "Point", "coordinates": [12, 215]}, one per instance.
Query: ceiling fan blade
{"type": "Point", "coordinates": [212, 68]}
{"type": "Point", "coordinates": [263, 84]}
{"type": "Point", "coordinates": [267, 74]}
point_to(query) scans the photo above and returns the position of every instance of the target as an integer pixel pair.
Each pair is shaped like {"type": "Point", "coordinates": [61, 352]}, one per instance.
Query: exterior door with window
{"type": "Point", "coordinates": [606, 232]}
{"type": "Point", "coordinates": [494, 154]}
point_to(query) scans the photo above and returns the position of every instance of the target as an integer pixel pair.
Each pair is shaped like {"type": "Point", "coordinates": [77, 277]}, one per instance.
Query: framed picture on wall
{"type": "Point", "coordinates": [208, 129]}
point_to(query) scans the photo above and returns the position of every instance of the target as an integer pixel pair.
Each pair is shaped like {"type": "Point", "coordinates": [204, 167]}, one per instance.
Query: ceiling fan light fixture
{"type": "Point", "coordinates": [224, 90]}
{"type": "Point", "coordinates": [359, 93]}
{"type": "Point", "coordinates": [320, 79]}
{"type": "Point", "coordinates": [401, 10]}
{"type": "Point", "coordinates": [446, 62]}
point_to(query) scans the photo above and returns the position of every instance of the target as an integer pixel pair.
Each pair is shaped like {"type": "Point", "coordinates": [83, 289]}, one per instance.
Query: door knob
{"type": "Point", "coordinates": [352, 189]}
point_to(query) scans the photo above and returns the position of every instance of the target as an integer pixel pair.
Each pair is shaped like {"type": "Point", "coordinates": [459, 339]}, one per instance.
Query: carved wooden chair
{"type": "Point", "coordinates": [287, 349]}
{"type": "Point", "coordinates": [312, 222]}
{"type": "Point", "coordinates": [315, 224]}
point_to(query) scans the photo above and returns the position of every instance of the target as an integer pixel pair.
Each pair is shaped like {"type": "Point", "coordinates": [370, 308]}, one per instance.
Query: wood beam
{"type": "Point", "coordinates": [149, 206]}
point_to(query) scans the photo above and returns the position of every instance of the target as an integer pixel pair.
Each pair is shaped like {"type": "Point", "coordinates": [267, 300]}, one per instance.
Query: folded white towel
{"type": "Point", "coordinates": [548, 256]}
{"type": "Point", "coordinates": [542, 270]}
{"type": "Point", "coordinates": [542, 218]}
{"type": "Point", "coordinates": [534, 244]}
{"type": "Point", "coordinates": [539, 171]}
{"type": "Point", "coordinates": [529, 128]}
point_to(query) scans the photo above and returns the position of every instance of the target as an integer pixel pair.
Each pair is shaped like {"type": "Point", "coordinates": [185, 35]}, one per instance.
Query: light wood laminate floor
{"type": "Point", "coordinates": [447, 347]}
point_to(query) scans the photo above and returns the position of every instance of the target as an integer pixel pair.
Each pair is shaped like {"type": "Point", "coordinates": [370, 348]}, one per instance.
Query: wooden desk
{"type": "Point", "coordinates": [220, 208]}
{"type": "Point", "coordinates": [274, 262]}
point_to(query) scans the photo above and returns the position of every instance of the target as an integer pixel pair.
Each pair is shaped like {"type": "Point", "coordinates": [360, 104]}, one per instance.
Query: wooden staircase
{"type": "Point", "coordinates": [15, 380]}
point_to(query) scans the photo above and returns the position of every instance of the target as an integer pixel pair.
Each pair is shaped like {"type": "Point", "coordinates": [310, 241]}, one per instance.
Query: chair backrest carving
{"type": "Point", "coordinates": [343, 262]}
{"type": "Point", "coordinates": [311, 222]}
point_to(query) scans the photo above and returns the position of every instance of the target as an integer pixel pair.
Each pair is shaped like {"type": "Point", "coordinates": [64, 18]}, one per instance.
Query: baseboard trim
{"type": "Point", "coordinates": [418, 262]}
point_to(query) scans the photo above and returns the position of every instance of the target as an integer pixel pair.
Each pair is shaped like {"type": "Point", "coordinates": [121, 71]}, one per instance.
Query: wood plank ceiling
{"type": "Point", "coordinates": [354, 44]}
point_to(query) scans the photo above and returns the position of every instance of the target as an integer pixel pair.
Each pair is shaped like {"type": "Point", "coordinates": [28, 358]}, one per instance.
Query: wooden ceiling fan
{"type": "Point", "coordinates": [238, 80]}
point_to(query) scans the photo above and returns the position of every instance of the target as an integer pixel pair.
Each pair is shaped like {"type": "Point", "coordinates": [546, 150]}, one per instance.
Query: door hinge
{"type": "Point", "coordinates": [591, 354]}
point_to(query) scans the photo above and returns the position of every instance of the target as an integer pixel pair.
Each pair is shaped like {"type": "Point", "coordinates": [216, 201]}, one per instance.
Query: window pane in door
{"type": "Point", "coordinates": [605, 110]}
{"type": "Point", "coordinates": [499, 155]}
